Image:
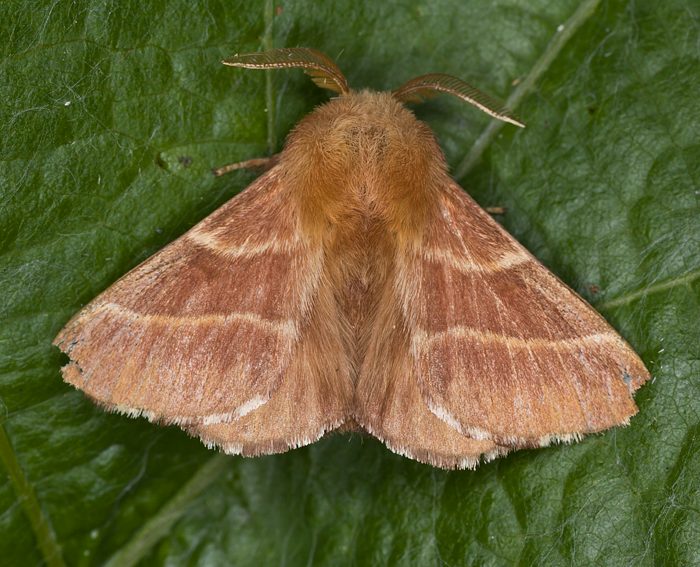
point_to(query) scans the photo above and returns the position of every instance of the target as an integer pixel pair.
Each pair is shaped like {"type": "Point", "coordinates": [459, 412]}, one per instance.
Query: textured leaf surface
{"type": "Point", "coordinates": [111, 116]}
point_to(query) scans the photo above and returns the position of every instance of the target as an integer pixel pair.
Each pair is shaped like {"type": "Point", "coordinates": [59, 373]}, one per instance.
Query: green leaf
{"type": "Point", "coordinates": [112, 115]}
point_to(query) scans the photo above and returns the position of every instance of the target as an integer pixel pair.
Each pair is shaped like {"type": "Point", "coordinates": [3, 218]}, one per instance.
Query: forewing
{"type": "Point", "coordinates": [503, 350]}
{"type": "Point", "coordinates": [314, 395]}
{"type": "Point", "coordinates": [203, 331]}
{"type": "Point", "coordinates": [389, 404]}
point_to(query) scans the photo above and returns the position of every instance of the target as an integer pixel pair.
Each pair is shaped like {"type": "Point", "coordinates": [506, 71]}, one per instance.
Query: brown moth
{"type": "Point", "coordinates": [354, 284]}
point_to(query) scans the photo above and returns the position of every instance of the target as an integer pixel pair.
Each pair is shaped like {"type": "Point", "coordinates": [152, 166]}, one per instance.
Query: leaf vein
{"type": "Point", "coordinates": [560, 39]}
{"type": "Point", "coordinates": [41, 525]}
{"type": "Point", "coordinates": [685, 279]}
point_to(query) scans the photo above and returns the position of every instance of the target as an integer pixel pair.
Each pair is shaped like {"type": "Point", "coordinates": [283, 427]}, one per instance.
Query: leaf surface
{"type": "Point", "coordinates": [111, 117]}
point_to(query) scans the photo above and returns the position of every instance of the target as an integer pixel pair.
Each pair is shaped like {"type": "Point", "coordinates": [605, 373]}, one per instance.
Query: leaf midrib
{"type": "Point", "coordinates": [561, 37]}
{"type": "Point", "coordinates": [41, 525]}
{"type": "Point", "coordinates": [626, 298]}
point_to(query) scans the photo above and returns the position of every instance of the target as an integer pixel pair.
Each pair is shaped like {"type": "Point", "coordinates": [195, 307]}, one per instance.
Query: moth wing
{"type": "Point", "coordinates": [389, 404]}
{"type": "Point", "coordinates": [204, 331]}
{"type": "Point", "coordinates": [502, 349]}
{"type": "Point", "coordinates": [314, 395]}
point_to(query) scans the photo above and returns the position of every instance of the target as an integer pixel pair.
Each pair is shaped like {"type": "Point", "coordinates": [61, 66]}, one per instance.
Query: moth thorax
{"type": "Point", "coordinates": [366, 150]}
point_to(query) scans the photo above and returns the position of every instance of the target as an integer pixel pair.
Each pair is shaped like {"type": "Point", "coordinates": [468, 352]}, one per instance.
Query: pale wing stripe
{"type": "Point", "coordinates": [508, 260]}
{"type": "Point", "coordinates": [242, 411]}
{"type": "Point", "coordinates": [285, 327]}
{"type": "Point", "coordinates": [423, 340]}
{"type": "Point", "coordinates": [211, 242]}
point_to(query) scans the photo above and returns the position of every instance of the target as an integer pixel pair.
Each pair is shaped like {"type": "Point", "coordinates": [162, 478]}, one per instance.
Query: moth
{"type": "Point", "coordinates": [354, 285]}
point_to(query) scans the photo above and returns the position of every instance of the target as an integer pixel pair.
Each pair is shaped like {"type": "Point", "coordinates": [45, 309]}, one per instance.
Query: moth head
{"type": "Point", "coordinates": [326, 74]}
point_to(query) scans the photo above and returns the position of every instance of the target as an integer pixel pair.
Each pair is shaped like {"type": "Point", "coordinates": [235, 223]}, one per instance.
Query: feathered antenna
{"type": "Point", "coordinates": [321, 68]}
{"type": "Point", "coordinates": [425, 86]}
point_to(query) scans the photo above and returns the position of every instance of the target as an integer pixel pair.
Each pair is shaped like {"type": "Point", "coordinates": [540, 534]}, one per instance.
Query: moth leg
{"type": "Point", "coordinates": [263, 163]}
{"type": "Point", "coordinates": [495, 210]}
